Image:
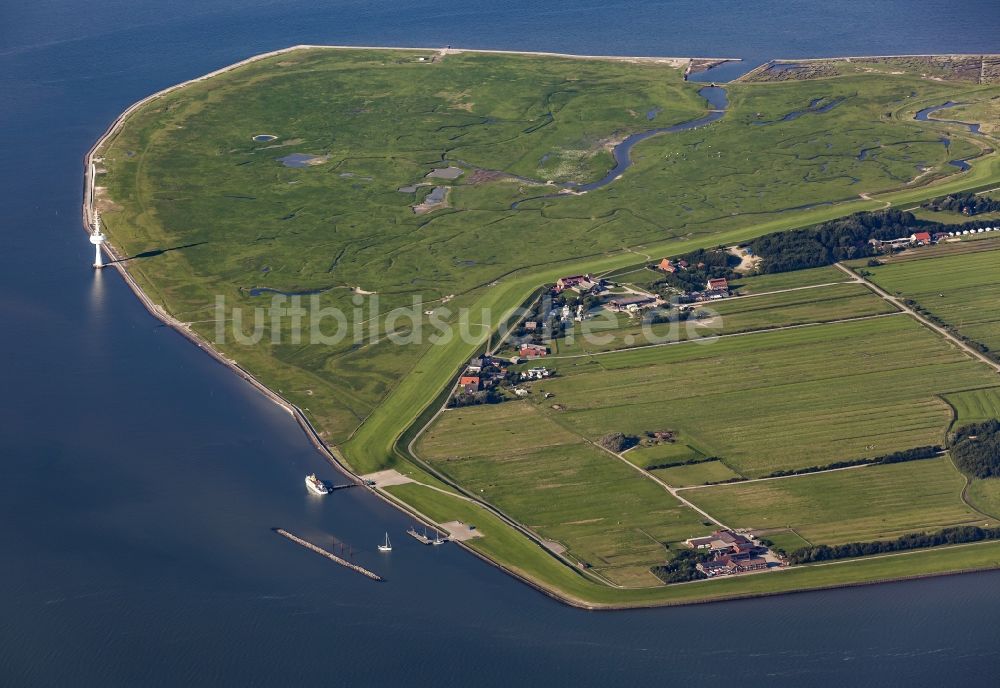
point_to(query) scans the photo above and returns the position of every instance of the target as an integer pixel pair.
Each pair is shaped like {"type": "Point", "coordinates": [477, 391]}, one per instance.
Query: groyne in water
{"type": "Point", "coordinates": [329, 555]}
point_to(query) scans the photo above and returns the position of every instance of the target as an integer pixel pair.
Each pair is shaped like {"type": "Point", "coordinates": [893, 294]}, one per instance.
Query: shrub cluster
{"type": "Point", "coordinates": [617, 442]}
{"type": "Point", "coordinates": [976, 449]}
{"type": "Point", "coordinates": [945, 536]}
{"type": "Point", "coordinates": [683, 567]}
{"type": "Point", "coordinates": [966, 203]}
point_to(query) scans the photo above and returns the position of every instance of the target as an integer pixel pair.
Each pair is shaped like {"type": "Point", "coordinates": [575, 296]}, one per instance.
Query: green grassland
{"type": "Point", "coordinates": [662, 453]}
{"type": "Point", "coordinates": [776, 400]}
{"type": "Point", "coordinates": [563, 488]}
{"type": "Point", "coordinates": [382, 119]}
{"type": "Point", "coordinates": [204, 211]}
{"type": "Point", "coordinates": [852, 505]}
{"type": "Point", "coordinates": [759, 284]}
{"type": "Point", "coordinates": [961, 290]}
{"type": "Point", "coordinates": [695, 474]}
{"type": "Point", "coordinates": [975, 405]}
{"type": "Point", "coordinates": [985, 496]}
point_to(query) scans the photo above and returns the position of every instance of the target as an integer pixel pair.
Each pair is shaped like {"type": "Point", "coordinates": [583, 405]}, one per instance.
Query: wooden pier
{"type": "Point", "coordinates": [329, 555]}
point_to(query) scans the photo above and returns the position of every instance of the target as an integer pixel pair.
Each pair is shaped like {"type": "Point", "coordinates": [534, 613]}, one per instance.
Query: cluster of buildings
{"type": "Point", "coordinates": [730, 553]}
{"type": "Point", "coordinates": [482, 373]}
{"type": "Point", "coordinates": [926, 238]}
{"type": "Point", "coordinates": [715, 287]}
{"type": "Point", "coordinates": [582, 284]}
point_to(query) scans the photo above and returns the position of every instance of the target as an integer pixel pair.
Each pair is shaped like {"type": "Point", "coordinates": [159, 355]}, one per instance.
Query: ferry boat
{"type": "Point", "coordinates": [315, 485]}
{"type": "Point", "coordinates": [387, 546]}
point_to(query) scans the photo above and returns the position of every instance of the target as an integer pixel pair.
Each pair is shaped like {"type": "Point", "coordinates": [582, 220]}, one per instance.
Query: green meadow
{"type": "Point", "coordinates": [606, 514]}
{"type": "Point", "coordinates": [851, 505]}
{"type": "Point", "coordinates": [777, 400]}
{"type": "Point", "coordinates": [962, 289]}
{"type": "Point", "coordinates": [201, 210]}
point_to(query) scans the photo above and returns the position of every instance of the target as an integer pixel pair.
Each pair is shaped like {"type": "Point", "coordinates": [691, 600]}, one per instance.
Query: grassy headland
{"type": "Point", "coordinates": [202, 209]}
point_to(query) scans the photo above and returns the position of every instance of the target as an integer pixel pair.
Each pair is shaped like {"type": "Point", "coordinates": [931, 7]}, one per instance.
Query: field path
{"type": "Point", "coordinates": [672, 490]}
{"type": "Point", "coordinates": [927, 323]}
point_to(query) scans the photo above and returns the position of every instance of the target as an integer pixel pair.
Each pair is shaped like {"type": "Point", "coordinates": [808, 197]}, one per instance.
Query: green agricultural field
{"type": "Point", "coordinates": [206, 217]}
{"type": "Point", "coordinates": [663, 453]}
{"type": "Point", "coordinates": [852, 505]}
{"type": "Point", "coordinates": [695, 474]}
{"type": "Point", "coordinates": [962, 290]}
{"type": "Point", "coordinates": [985, 496]}
{"type": "Point", "coordinates": [602, 511]}
{"type": "Point", "coordinates": [797, 279]}
{"type": "Point", "coordinates": [975, 405]}
{"type": "Point", "coordinates": [775, 400]}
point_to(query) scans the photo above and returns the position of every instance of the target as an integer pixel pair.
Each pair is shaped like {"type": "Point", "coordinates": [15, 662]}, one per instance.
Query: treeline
{"type": "Point", "coordinates": [945, 536]}
{"type": "Point", "coordinates": [914, 454]}
{"type": "Point", "coordinates": [682, 568]}
{"type": "Point", "coordinates": [975, 449]}
{"type": "Point", "coordinates": [830, 242]}
{"type": "Point", "coordinates": [966, 203]}
{"type": "Point", "coordinates": [688, 462]}
{"type": "Point", "coordinates": [488, 396]}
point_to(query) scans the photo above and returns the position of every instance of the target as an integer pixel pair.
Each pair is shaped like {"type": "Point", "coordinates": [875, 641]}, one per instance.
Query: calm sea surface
{"type": "Point", "coordinates": [139, 480]}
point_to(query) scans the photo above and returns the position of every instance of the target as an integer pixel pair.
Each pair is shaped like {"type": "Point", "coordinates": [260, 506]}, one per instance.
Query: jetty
{"type": "Point", "coordinates": [422, 537]}
{"type": "Point", "coordinates": [329, 555]}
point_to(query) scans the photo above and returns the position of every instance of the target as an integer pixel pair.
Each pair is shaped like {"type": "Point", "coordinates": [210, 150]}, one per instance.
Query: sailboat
{"type": "Point", "coordinates": [387, 546]}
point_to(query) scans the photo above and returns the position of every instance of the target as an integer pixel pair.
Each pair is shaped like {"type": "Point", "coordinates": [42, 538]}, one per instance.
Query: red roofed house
{"type": "Point", "coordinates": [718, 284]}
{"type": "Point", "coordinates": [533, 351]}
{"type": "Point", "coordinates": [921, 238]}
{"type": "Point", "coordinates": [468, 381]}
{"type": "Point", "coordinates": [571, 281]}
{"type": "Point", "coordinates": [667, 265]}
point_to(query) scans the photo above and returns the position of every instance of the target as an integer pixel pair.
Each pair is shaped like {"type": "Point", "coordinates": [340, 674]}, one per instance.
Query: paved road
{"type": "Point", "coordinates": [927, 323]}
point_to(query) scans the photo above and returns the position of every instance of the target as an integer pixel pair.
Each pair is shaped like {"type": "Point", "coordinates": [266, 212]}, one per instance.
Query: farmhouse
{"type": "Point", "coordinates": [721, 541]}
{"type": "Point", "coordinates": [922, 238]}
{"type": "Point", "coordinates": [470, 383]}
{"type": "Point", "coordinates": [533, 351]}
{"type": "Point", "coordinates": [632, 302]}
{"type": "Point", "coordinates": [731, 553]}
{"type": "Point", "coordinates": [667, 265]}
{"type": "Point", "coordinates": [720, 284]}
{"type": "Point", "coordinates": [476, 365]}
{"type": "Point", "coordinates": [580, 283]}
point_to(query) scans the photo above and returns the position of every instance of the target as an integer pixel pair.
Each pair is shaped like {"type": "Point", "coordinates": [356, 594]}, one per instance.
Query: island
{"type": "Point", "coordinates": [635, 339]}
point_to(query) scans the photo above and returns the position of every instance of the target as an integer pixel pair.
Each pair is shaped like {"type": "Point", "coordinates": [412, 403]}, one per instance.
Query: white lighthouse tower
{"type": "Point", "coordinates": [96, 238]}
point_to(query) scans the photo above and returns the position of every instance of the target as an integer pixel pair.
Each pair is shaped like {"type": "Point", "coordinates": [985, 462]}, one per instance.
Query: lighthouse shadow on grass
{"type": "Point", "coordinates": [153, 253]}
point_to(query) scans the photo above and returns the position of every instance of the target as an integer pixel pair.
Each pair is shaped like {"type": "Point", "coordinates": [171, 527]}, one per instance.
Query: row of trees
{"type": "Point", "coordinates": [966, 203]}
{"type": "Point", "coordinates": [945, 536]}
{"type": "Point", "coordinates": [976, 449]}
{"type": "Point", "coordinates": [914, 454]}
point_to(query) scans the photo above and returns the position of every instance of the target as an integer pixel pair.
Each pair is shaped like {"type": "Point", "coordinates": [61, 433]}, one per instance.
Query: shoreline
{"type": "Point", "coordinates": [118, 261]}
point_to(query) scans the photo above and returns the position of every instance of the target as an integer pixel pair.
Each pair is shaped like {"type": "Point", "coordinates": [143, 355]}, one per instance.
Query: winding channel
{"type": "Point", "coordinates": [718, 102]}
{"type": "Point", "coordinates": [925, 116]}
